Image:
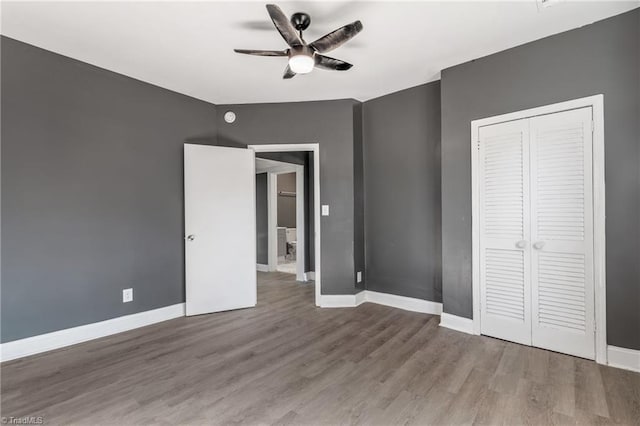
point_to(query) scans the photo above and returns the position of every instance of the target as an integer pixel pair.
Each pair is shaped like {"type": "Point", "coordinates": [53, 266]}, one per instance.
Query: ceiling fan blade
{"type": "Point", "coordinates": [288, 73]}
{"type": "Point", "coordinates": [284, 27]}
{"type": "Point", "coordinates": [328, 63]}
{"type": "Point", "coordinates": [336, 38]}
{"type": "Point", "coordinates": [263, 52]}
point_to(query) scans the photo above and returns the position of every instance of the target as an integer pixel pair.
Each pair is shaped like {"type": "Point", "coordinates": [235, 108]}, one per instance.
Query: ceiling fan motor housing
{"type": "Point", "coordinates": [300, 21]}
{"type": "Point", "coordinates": [301, 50]}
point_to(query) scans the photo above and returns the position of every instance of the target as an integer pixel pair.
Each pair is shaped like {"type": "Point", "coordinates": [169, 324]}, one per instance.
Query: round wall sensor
{"type": "Point", "coordinates": [229, 116]}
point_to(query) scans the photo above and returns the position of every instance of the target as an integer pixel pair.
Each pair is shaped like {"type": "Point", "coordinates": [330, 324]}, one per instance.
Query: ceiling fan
{"type": "Point", "coordinates": [304, 57]}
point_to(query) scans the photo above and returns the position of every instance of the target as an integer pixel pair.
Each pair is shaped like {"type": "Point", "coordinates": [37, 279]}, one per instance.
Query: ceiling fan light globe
{"type": "Point", "coordinates": [301, 64]}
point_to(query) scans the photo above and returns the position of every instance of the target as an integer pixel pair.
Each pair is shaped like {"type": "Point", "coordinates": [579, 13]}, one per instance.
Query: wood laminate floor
{"type": "Point", "coordinates": [288, 362]}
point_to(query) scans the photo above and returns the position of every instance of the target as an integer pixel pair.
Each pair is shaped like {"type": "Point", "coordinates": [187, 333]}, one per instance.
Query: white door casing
{"type": "Point", "coordinates": [220, 228]}
{"type": "Point", "coordinates": [575, 257]}
{"type": "Point", "coordinates": [597, 211]}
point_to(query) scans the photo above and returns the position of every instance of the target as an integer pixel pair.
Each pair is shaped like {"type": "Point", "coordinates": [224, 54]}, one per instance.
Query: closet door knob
{"type": "Point", "coordinates": [521, 244]}
{"type": "Point", "coordinates": [538, 245]}
{"type": "Point", "coordinates": [190, 237]}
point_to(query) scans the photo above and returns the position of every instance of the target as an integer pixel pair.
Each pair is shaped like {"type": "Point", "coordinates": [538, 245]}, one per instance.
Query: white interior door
{"type": "Point", "coordinates": [220, 228]}
{"type": "Point", "coordinates": [562, 232]}
{"type": "Point", "coordinates": [504, 231]}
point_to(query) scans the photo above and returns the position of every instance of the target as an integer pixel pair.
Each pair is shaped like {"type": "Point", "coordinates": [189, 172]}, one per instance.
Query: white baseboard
{"type": "Point", "coordinates": [71, 336]}
{"type": "Point", "coordinates": [338, 301]}
{"type": "Point", "coordinates": [628, 359]}
{"type": "Point", "coordinates": [457, 323]}
{"type": "Point", "coordinates": [403, 302]}
{"type": "Point", "coordinates": [262, 268]}
{"type": "Point", "coordinates": [311, 275]}
{"type": "Point", "coordinates": [400, 302]}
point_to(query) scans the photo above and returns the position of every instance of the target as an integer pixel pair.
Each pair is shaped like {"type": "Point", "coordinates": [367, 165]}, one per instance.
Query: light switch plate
{"type": "Point", "coordinates": [359, 276]}
{"type": "Point", "coordinates": [127, 295]}
{"type": "Point", "coordinates": [325, 210]}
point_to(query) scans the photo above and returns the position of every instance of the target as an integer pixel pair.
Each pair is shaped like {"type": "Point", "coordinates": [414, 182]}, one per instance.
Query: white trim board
{"type": "Point", "coordinates": [262, 267]}
{"type": "Point", "coordinates": [272, 220]}
{"type": "Point", "coordinates": [300, 224]}
{"type": "Point", "coordinates": [596, 102]}
{"type": "Point", "coordinates": [402, 302]}
{"type": "Point", "coordinates": [386, 299]}
{"type": "Point", "coordinates": [454, 322]}
{"type": "Point", "coordinates": [71, 336]}
{"type": "Point", "coordinates": [628, 359]}
{"type": "Point", "coordinates": [339, 300]}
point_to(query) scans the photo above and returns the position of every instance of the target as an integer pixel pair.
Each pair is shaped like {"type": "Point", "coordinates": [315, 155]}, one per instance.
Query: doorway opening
{"type": "Point", "coordinates": [281, 207]}
{"type": "Point", "coordinates": [288, 211]}
{"type": "Point", "coordinates": [286, 225]}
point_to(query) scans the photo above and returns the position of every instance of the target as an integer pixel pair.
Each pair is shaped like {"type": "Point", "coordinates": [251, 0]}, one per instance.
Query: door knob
{"type": "Point", "coordinates": [521, 244]}
{"type": "Point", "coordinates": [538, 245]}
{"type": "Point", "coordinates": [190, 237]}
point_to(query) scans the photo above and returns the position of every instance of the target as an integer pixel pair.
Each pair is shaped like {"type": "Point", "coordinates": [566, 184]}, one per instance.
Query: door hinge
{"type": "Point", "coordinates": [593, 126]}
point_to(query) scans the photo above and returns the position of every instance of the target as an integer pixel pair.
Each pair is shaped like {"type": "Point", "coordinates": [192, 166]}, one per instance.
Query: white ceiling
{"type": "Point", "coordinates": [187, 47]}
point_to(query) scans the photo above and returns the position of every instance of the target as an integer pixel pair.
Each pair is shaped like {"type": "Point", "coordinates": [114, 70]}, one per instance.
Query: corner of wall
{"type": "Point", "coordinates": [359, 245]}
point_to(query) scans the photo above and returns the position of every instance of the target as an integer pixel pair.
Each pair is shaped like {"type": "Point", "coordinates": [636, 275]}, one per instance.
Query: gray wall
{"type": "Point", "coordinates": [330, 124]}
{"type": "Point", "coordinates": [91, 191]}
{"type": "Point", "coordinates": [402, 192]}
{"type": "Point", "coordinates": [291, 157]}
{"type": "Point", "coordinates": [309, 214]}
{"type": "Point", "coordinates": [286, 204]}
{"type": "Point", "coordinates": [92, 177]}
{"type": "Point", "coordinates": [599, 58]}
{"type": "Point", "coordinates": [262, 220]}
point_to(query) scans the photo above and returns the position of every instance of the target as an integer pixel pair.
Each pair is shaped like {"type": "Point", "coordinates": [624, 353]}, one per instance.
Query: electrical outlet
{"type": "Point", "coordinates": [127, 295]}
{"type": "Point", "coordinates": [359, 276]}
{"type": "Point", "coordinates": [325, 210]}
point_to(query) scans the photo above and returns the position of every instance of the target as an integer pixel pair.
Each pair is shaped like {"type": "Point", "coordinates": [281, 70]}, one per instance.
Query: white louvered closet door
{"type": "Point", "coordinates": [562, 232]}
{"type": "Point", "coordinates": [504, 231]}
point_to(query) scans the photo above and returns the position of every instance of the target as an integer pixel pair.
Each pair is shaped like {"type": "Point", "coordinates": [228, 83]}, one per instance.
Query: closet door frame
{"type": "Point", "coordinates": [596, 103]}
